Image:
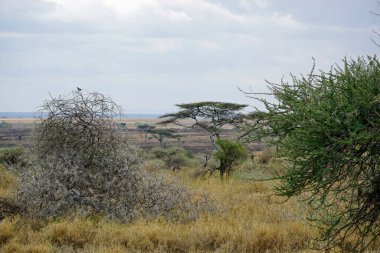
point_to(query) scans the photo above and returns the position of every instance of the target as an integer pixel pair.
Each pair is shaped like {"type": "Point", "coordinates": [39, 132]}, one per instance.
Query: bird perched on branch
{"type": "Point", "coordinates": [79, 89]}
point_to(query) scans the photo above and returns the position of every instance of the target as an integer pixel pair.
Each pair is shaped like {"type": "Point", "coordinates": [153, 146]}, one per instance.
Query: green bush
{"type": "Point", "coordinates": [174, 158]}
{"type": "Point", "coordinates": [229, 154]}
{"type": "Point", "coordinates": [327, 126]}
{"type": "Point", "coordinates": [159, 153]}
{"type": "Point", "coordinates": [10, 156]}
{"type": "Point", "coordinates": [4, 124]}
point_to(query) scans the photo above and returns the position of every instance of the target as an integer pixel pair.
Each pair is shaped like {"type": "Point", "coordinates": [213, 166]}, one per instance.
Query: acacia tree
{"type": "Point", "coordinates": [163, 135]}
{"type": "Point", "coordinates": [209, 116]}
{"type": "Point", "coordinates": [327, 125]}
{"type": "Point", "coordinates": [145, 129]}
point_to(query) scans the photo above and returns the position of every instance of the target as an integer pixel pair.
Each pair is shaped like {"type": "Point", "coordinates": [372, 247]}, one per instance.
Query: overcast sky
{"type": "Point", "coordinates": [149, 55]}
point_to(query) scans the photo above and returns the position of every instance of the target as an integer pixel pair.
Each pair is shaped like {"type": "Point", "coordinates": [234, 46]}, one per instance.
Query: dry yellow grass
{"type": "Point", "coordinates": [249, 219]}
{"type": "Point", "coordinates": [7, 182]}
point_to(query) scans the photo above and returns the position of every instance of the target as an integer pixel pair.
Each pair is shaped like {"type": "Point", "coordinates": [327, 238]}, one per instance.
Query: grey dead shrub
{"type": "Point", "coordinates": [82, 163]}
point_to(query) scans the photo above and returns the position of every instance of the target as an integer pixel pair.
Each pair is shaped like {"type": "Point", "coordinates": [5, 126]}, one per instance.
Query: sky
{"type": "Point", "coordinates": [149, 55]}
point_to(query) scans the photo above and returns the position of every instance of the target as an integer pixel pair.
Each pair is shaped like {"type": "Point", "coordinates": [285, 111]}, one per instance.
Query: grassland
{"type": "Point", "coordinates": [21, 134]}
{"type": "Point", "coordinates": [248, 218]}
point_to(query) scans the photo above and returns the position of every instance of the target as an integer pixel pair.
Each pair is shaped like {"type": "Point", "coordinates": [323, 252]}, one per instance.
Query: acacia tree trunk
{"type": "Point", "coordinates": [213, 141]}
{"type": "Point", "coordinates": [162, 143]}
{"type": "Point", "coordinates": [222, 169]}
{"type": "Point", "coordinates": [207, 158]}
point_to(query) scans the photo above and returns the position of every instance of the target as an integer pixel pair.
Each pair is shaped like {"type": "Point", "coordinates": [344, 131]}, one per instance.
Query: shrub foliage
{"type": "Point", "coordinates": [174, 158]}
{"type": "Point", "coordinates": [229, 154]}
{"type": "Point", "coordinates": [328, 125]}
{"type": "Point", "coordinates": [11, 156]}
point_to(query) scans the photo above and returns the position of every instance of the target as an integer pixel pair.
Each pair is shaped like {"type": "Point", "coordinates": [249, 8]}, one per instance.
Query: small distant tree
{"type": "Point", "coordinates": [162, 135]}
{"type": "Point", "coordinates": [145, 129]}
{"type": "Point", "coordinates": [122, 125]}
{"type": "Point", "coordinates": [209, 116]}
{"type": "Point", "coordinates": [229, 154]}
{"type": "Point", "coordinates": [4, 124]}
{"type": "Point", "coordinates": [327, 125]}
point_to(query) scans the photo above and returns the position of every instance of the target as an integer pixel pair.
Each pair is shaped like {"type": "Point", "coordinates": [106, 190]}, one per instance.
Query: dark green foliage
{"type": "Point", "coordinates": [229, 154]}
{"type": "Point", "coordinates": [122, 125]}
{"type": "Point", "coordinates": [4, 124]}
{"type": "Point", "coordinates": [159, 153]}
{"type": "Point", "coordinates": [163, 134]}
{"type": "Point", "coordinates": [10, 156]}
{"type": "Point", "coordinates": [209, 116]}
{"type": "Point", "coordinates": [174, 158]}
{"type": "Point", "coordinates": [145, 129]}
{"type": "Point", "coordinates": [160, 134]}
{"type": "Point", "coordinates": [328, 126]}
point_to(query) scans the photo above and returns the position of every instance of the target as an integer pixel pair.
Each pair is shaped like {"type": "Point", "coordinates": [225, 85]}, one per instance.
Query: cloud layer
{"type": "Point", "coordinates": [151, 54]}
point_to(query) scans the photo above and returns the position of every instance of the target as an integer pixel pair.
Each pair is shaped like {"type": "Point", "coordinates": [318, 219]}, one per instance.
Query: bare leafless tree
{"type": "Point", "coordinates": [79, 129]}
{"type": "Point", "coordinates": [83, 163]}
{"type": "Point", "coordinates": [376, 31]}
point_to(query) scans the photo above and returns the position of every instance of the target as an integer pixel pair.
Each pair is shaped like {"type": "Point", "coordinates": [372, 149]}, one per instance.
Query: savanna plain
{"type": "Point", "coordinates": [244, 215]}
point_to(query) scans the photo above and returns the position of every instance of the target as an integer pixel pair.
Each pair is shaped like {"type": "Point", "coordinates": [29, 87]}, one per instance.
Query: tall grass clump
{"type": "Point", "coordinates": [11, 156]}
{"type": "Point", "coordinates": [82, 163]}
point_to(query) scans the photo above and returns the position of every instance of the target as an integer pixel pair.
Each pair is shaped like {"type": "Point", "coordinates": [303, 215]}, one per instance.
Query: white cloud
{"type": "Point", "coordinates": [286, 20]}
{"type": "Point", "coordinates": [8, 35]}
{"type": "Point", "coordinates": [251, 4]}
{"type": "Point", "coordinates": [119, 10]}
{"type": "Point", "coordinates": [147, 50]}
{"type": "Point", "coordinates": [159, 45]}
{"type": "Point", "coordinates": [118, 14]}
